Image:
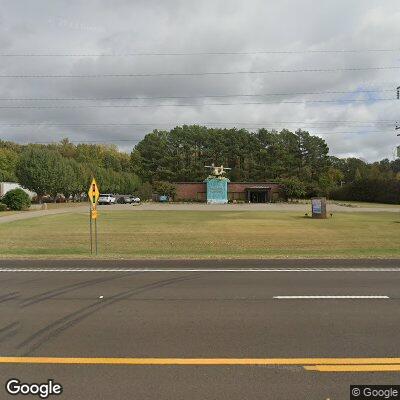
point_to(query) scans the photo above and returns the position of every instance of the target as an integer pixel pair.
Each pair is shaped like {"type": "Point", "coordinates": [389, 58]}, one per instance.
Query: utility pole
{"type": "Point", "coordinates": [398, 98]}
{"type": "Point", "coordinates": [397, 127]}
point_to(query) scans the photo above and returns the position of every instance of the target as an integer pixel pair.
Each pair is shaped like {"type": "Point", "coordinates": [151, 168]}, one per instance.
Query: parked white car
{"type": "Point", "coordinates": [135, 199]}
{"type": "Point", "coordinates": [107, 199]}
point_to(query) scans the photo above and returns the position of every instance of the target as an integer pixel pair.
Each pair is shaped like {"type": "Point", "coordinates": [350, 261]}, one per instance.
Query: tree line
{"type": "Point", "coordinates": [66, 169]}
{"type": "Point", "coordinates": [298, 160]}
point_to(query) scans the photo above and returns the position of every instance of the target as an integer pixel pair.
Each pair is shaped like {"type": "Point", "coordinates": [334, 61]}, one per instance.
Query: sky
{"type": "Point", "coordinates": [330, 67]}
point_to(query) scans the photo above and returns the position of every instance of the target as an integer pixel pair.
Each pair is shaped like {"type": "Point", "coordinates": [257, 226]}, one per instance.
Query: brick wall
{"type": "Point", "coordinates": [197, 191]}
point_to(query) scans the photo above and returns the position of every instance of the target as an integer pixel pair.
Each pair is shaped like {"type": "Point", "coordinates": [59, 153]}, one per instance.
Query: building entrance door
{"type": "Point", "coordinates": [258, 197]}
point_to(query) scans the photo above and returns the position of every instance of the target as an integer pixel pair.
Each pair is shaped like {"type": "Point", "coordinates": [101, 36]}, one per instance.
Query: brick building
{"type": "Point", "coordinates": [253, 192]}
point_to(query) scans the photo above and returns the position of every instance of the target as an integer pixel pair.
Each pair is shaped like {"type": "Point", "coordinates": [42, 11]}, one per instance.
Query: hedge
{"type": "Point", "coordinates": [371, 190]}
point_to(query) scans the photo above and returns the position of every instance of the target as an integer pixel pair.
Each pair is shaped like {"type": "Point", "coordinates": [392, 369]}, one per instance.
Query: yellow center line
{"type": "Point", "coordinates": [309, 363]}
{"type": "Point", "coordinates": [354, 368]}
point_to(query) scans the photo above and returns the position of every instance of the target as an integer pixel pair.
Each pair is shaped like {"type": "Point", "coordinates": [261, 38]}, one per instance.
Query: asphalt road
{"type": "Point", "coordinates": [203, 310]}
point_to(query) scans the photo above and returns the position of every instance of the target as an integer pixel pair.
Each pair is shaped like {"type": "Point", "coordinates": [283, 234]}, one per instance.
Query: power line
{"type": "Point", "coordinates": [350, 132]}
{"type": "Point", "coordinates": [139, 140]}
{"type": "Point", "coordinates": [199, 53]}
{"type": "Point", "coordinates": [168, 74]}
{"type": "Point", "coordinates": [316, 132]}
{"type": "Point", "coordinates": [190, 97]}
{"type": "Point", "coordinates": [193, 104]}
{"type": "Point", "coordinates": [201, 123]}
{"type": "Point", "coordinates": [93, 141]}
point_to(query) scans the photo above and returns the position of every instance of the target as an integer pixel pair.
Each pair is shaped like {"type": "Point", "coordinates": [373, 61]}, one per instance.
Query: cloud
{"type": "Point", "coordinates": [177, 26]}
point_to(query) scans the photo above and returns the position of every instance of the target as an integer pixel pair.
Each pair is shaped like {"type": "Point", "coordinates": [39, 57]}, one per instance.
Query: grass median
{"type": "Point", "coordinates": [204, 234]}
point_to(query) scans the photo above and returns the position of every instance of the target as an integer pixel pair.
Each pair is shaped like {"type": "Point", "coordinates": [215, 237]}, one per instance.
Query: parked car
{"type": "Point", "coordinates": [124, 200]}
{"type": "Point", "coordinates": [135, 199]}
{"type": "Point", "coordinates": [107, 199]}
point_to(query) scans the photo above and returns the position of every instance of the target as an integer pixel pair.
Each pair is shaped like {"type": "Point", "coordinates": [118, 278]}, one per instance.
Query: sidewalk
{"type": "Point", "coordinates": [39, 213]}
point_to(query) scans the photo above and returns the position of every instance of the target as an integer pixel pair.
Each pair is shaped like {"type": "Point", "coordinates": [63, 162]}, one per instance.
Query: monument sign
{"type": "Point", "coordinates": [318, 207]}
{"type": "Point", "coordinates": [217, 185]}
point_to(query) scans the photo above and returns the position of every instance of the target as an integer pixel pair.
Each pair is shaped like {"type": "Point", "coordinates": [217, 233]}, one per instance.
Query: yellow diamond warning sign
{"type": "Point", "coordinates": [93, 192]}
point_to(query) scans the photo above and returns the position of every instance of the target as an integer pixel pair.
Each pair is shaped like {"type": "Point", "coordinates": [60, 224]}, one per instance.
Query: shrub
{"type": "Point", "coordinates": [3, 207]}
{"type": "Point", "coordinates": [145, 191]}
{"type": "Point", "coordinates": [163, 188]}
{"type": "Point", "coordinates": [17, 199]}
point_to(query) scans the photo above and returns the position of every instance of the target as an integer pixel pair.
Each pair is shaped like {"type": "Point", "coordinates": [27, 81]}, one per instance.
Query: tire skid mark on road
{"type": "Point", "coordinates": [54, 329]}
{"type": "Point", "coordinates": [66, 289]}
{"type": "Point", "coordinates": [9, 296]}
{"type": "Point", "coordinates": [9, 331]}
{"type": "Point", "coordinates": [9, 326]}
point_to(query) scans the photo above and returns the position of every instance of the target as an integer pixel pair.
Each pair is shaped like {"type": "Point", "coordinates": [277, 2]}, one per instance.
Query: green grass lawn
{"type": "Point", "coordinates": [200, 234]}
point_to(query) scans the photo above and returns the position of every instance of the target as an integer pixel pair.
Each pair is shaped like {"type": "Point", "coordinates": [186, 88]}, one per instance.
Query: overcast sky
{"type": "Point", "coordinates": [362, 126]}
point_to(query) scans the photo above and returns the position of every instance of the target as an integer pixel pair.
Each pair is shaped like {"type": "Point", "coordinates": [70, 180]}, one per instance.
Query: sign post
{"type": "Point", "coordinates": [94, 194]}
